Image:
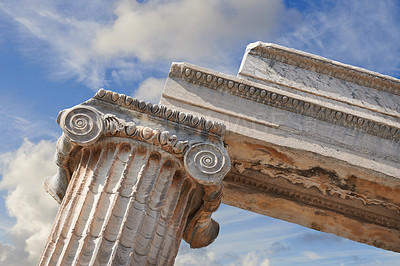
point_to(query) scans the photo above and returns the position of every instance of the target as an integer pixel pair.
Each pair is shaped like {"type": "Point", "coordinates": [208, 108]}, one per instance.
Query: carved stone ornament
{"type": "Point", "coordinates": [248, 90]}
{"type": "Point", "coordinates": [82, 125]}
{"type": "Point", "coordinates": [206, 163]}
{"type": "Point", "coordinates": [132, 182]}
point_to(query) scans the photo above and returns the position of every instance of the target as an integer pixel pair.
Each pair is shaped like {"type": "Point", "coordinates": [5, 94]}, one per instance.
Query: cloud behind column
{"type": "Point", "coordinates": [22, 175]}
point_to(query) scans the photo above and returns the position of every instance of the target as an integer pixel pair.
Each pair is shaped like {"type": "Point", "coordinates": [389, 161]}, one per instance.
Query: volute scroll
{"type": "Point", "coordinates": [207, 163]}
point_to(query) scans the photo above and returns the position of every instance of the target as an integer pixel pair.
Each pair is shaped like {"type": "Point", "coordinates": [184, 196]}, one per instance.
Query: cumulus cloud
{"type": "Point", "coordinates": [150, 90]}
{"type": "Point", "coordinates": [252, 258]}
{"type": "Point", "coordinates": [23, 172]}
{"type": "Point", "coordinates": [8, 254]}
{"type": "Point", "coordinates": [59, 34]}
{"type": "Point", "coordinates": [310, 255]}
{"type": "Point", "coordinates": [361, 32]}
{"type": "Point", "coordinates": [207, 257]}
{"type": "Point", "coordinates": [186, 29]}
{"type": "Point", "coordinates": [98, 43]}
{"type": "Point", "coordinates": [195, 257]}
{"type": "Point", "coordinates": [111, 43]}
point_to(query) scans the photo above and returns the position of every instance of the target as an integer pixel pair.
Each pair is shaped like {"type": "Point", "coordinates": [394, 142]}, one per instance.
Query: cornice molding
{"type": "Point", "coordinates": [249, 91]}
{"type": "Point", "coordinates": [160, 111]}
{"type": "Point", "coordinates": [325, 66]}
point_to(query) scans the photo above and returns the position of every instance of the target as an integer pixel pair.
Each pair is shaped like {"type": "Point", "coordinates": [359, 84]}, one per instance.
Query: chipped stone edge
{"type": "Point", "coordinates": [249, 91]}
{"type": "Point", "coordinates": [325, 66]}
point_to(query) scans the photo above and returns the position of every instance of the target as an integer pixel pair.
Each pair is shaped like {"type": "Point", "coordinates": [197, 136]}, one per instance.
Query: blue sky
{"type": "Point", "coordinates": [56, 54]}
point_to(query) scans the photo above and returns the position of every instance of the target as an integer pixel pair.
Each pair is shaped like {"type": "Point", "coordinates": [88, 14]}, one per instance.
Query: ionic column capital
{"type": "Point", "coordinates": [195, 140]}
{"type": "Point", "coordinates": [175, 187]}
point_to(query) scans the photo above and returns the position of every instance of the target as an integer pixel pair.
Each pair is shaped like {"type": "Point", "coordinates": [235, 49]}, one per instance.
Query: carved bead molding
{"type": "Point", "coordinates": [326, 66]}
{"type": "Point", "coordinates": [85, 125]}
{"type": "Point", "coordinates": [249, 91]}
{"type": "Point", "coordinates": [198, 123]}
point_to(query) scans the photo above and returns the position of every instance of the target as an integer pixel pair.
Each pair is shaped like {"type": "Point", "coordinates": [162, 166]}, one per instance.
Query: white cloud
{"type": "Point", "coordinates": [150, 90]}
{"type": "Point", "coordinates": [103, 43]}
{"type": "Point", "coordinates": [312, 255]}
{"type": "Point", "coordinates": [186, 29]}
{"type": "Point", "coordinates": [208, 257]}
{"type": "Point", "coordinates": [252, 258]}
{"type": "Point", "coordinates": [7, 254]}
{"type": "Point", "coordinates": [23, 174]}
{"type": "Point", "coordinates": [364, 33]}
{"type": "Point", "coordinates": [195, 257]}
{"type": "Point", "coordinates": [60, 34]}
{"type": "Point", "coordinates": [131, 37]}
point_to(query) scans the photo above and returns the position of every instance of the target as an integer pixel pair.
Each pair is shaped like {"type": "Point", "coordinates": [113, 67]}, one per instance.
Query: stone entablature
{"type": "Point", "coordinates": [134, 179]}
{"type": "Point", "coordinates": [302, 148]}
{"type": "Point", "coordinates": [286, 101]}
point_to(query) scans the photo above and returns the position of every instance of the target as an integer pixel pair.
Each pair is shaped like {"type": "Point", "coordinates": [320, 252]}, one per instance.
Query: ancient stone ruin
{"type": "Point", "coordinates": [293, 136]}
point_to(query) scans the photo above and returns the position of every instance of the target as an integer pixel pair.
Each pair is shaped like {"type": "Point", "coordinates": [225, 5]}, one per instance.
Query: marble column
{"type": "Point", "coordinates": [133, 180]}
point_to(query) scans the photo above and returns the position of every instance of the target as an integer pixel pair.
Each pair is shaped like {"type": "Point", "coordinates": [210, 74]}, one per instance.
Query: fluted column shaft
{"type": "Point", "coordinates": [125, 204]}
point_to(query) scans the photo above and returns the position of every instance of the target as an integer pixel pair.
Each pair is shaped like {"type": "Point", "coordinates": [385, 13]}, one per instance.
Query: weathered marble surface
{"type": "Point", "coordinates": [133, 180]}
{"type": "Point", "coordinates": [303, 149]}
{"type": "Point", "coordinates": [320, 78]}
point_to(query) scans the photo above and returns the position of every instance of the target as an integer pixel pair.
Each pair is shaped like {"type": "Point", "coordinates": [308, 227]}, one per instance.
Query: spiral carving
{"type": "Point", "coordinates": [82, 125]}
{"type": "Point", "coordinates": [207, 163]}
